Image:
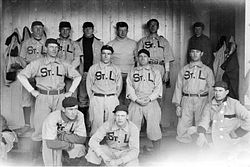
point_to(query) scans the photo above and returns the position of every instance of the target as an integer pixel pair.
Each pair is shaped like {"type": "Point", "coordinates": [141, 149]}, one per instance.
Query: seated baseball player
{"type": "Point", "coordinates": [121, 141]}
{"type": "Point", "coordinates": [228, 121]}
{"type": "Point", "coordinates": [7, 139]}
{"type": "Point", "coordinates": [64, 130]}
{"type": "Point", "coordinates": [144, 86]}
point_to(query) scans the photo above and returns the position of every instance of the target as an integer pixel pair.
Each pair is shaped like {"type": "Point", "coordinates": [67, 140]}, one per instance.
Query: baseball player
{"type": "Point", "coordinates": [31, 49]}
{"type": "Point", "coordinates": [121, 141]}
{"type": "Point", "coordinates": [104, 83]}
{"type": "Point", "coordinates": [124, 55]}
{"type": "Point", "coordinates": [193, 87]}
{"type": "Point", "coordinates": [69, 50]}
{"type": "Point", "coordinates": [49, 73]}
{"type": "Point", "coordinates": [64, 130]}
{"type": "Point", "coordinates": [161, 55]}
{"type": "Point", "coordinates": [144, 86]}
{"type": "Point", "coordinates": [91, 50]}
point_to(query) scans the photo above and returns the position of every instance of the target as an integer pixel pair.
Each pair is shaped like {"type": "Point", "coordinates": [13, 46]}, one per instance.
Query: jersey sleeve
{"type": "Point", "coordinates": [168, 52]}
{"type": "Point", "coordinates": [119, 81]}
{"type": "Point", "coordinates": [177, 96]}
{"type": "Point", "coordinates": [205, 118]}
{"type": "Point", "coordinates": [80, 128]}
{"type": "Point", "coordinates": [157, 92]}
{"type": "Point", "coordinates": [77, 54]}
{"type": "Point", "coordinates": [210, 82]}
{"type": "Point", "coordinates": [95, 140]}
{"type": "Point", "coordinates": [49, 128]}
{"type": "Point", "coordinates": [130, 91]}
{"type": "Point", "coordinates": [90, 81]}
{"type": "Point", "coordinates": [30, 70]}
{"type": "Point", "coordinates": [243, 114]}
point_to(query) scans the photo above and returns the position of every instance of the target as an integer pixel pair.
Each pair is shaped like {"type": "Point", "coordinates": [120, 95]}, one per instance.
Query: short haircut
{"type": "Point", "coordinates": [121, 24]}
{"type": "Point", "coordinates": [148, 23]}
{"type": "Point", "coordinates": [199, 24]}
{"type": "Point", "coordinates": [107, 47]}
{"type": "Point", "coordinates": [88, 24]}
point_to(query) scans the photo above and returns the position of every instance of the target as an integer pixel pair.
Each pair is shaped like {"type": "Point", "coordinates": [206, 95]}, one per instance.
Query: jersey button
{"type": "Point", "coordinates": [118, 141]}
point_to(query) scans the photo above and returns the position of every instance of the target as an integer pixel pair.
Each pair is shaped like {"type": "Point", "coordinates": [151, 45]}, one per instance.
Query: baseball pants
{"type": "Point", "coordinates": [112, 153]}
{"type": "Point", "coordinates": [192, 108]}
{"type": "Point", "coordinates": [152, 114]}
{"type": "Point", "coordinates": [100, 110]}
{"type": "Point", "coordinates": [43, 106]}
{"type": "Point", "coordinates": [82, 92]}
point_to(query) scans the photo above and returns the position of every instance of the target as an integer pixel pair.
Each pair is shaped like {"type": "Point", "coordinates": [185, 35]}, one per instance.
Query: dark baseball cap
{"type": "Point", "coordinates": [88, 24]}
{"type": "Point", "coordinates": [144, 51]}
{"type": "Point", "coordinates": [196, 47]}
{"type": "Point", "coordinates": [51, 40]}
{"type": "Point", "coordinates": [107, 47]}
{"type": "Point", "coordinates": [36, 23]}
{"type": "Point", "coordinates": [69, 102]}
{"type": "Point", "coordinates": [121, 108]}
{"type": "Point", "coordinates": [221, 84]}
{"type": "Point", "coordinates": [64, 24]}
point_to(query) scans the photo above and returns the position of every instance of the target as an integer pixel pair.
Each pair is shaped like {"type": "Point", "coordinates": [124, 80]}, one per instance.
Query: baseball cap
{"type": "Point", "coordinates": [121, 108]}
{"type": "Point", "coordinates": [51, 40]}
{"type": "Point", "coordinates": [69, 102]}
{"type": "Point", "coordinates": [36, 23]}
{"type": "Point", "coordinates": [199, 24]}
{"type": "Point", "coordinates": [107, 47]}
{"type": "Point", "coordinates": [144, 51]}
{"type": "Point", "coordinates": [64, 24]}
{"type": "Point", "coordinates": [221, 84]}
{"type": "Point", "coordinates": [88, 24]}
{"type": "Point", "coordinates": [196, 46]}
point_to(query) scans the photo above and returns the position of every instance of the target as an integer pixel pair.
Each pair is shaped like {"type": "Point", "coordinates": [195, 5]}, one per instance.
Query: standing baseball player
{"type": "Point", "coordinates": [64, 130]}
{"type": "Point", "coordinates": [144, 86]}
{"type": "Point", "coordinates": [91, 50]}
{"type": "Point", "coordinates": [104, 83]}
{"type": "Point", "coordinates": [161, 55]}
{"type": "Point", "coordinates": [31, 49]}
{"type": "Point", "coordinates": [69, 50]}
{"type": "Point", "coordinates": [192, 91]}
{"type": "Point", "coordinates": [121, 141]}
{"type": "Point", "coordinates": [124, 55]}
{"type": "Point", "coordinates": [49, 73]}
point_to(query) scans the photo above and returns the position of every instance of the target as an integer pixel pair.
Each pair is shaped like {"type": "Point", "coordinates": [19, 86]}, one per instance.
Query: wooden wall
{"type": "Point", "coordinates": [175, 17]}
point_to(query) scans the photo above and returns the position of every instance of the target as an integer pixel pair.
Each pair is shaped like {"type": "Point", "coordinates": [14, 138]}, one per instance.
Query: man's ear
{"type": "Point", "coordinates": [202, 53]}
{"type": "Point", "coordinates": [227, 91]}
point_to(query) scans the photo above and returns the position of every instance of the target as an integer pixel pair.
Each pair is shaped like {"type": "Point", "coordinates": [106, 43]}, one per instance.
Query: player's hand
{"type": "Point", "coordinates": [145, 101]}
{"type": "Point", "coordinates": [35, 93]}
{"type": "Point", "coordinates": [166, 76]}
{"type": "Point", "coordinates": [106, 159]}
{"type": "Point", "coordinates": [178, 111]}
{"type": "Point", "coordinates": [201, 140]}
{"type": "Point", "coordinates": [192, 130]}
{"type": "Point", "coordinates": [60, 136]}
{"type": "Point", "coordinates": [71, 146]}
{"type": "Point", "coordinates": [68, 94]}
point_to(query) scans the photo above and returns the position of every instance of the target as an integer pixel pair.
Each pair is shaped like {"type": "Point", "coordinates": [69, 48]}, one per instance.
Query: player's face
{"type": "Point", "coordinates": [195, 55]}
{"type": "Point", "coordinates": [220, 93]}
{"type": "Point", "coordinates": [37, 31]}
{"type": "Point", "coordinates": [198, 31]}
{"type": "Point", "coordinates": [122, 32]}
{"type": "Point", "coordinates": [121, 118]}
{"type": "Point", "coordinates": [153, 27]}
{"type": "Point", "coordinates": [64, 32]}
{"type": "Point", "coordinates": [106, 56]}
{"type": "Point", "coordinates": [71, 112]}
{"type": "Point", "coordinates": [52, 49]}
{"type": "Point", "coordinates": [88, 32]}
{"type": "Point", "coordinates": [143, 59]}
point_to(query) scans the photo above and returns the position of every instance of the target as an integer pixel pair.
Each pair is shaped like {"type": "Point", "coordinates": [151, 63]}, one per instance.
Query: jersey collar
{"type": "Point", "coordinates": [147, 67]}
{"type": "Point", "coordinates": [47, 60]}
{"type": "Point", "coordinates": [196, 64]}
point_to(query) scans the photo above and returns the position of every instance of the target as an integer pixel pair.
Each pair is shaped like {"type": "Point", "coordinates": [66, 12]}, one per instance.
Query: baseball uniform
{"type": "Point", "coordinates": [161, 54]}
{"type": "Point", "coordinates": [96, 51]}
{"type": "Point", "coordinates": [226, 118]}
{"type": "Point", "coordinates": [54, 125]}
{"type": "Point", "coordinates": [120, 143]}
{"type": "Point", "coordinates": [145, 82]}
{"type": "Point", "coordinates": [69, 51]}
{"type": "Point", "coordinates": [31, 50]}
{"type": "Point", "coordinates": [104, 84]}
{"type": "Point", "coordinates": [193, 87]}
{"type": "Point", "coordinates": [49, 75]}
{"type": "Point", "coordinates": [123, 56]}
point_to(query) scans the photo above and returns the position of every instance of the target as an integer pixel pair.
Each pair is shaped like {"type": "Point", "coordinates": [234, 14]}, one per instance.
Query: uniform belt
{"type": "Point", "coordinates": [230, 116]}
{"type": "Point", "coordinates": [102, 95]}
{"type": "Point", "coordinates": [156, 62]}
{"type": "Point", "coordinates": [51, 92]}
{"type": "Point", "coordinates": [192, 95]}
